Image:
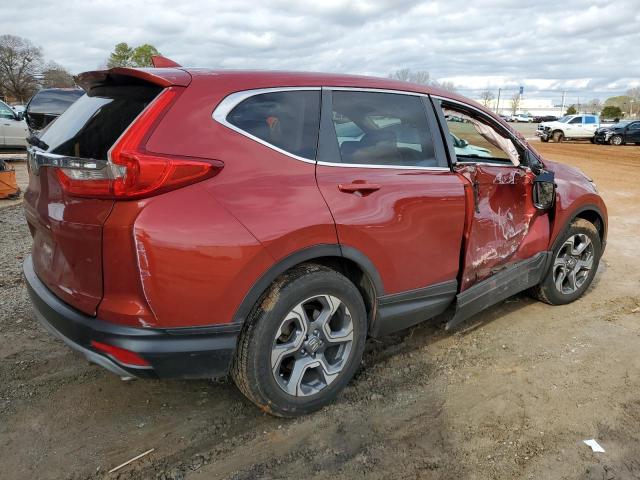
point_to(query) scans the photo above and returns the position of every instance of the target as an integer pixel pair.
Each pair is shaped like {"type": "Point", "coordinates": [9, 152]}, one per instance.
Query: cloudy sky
{"type": "Point", "coordinates": [587, 47]}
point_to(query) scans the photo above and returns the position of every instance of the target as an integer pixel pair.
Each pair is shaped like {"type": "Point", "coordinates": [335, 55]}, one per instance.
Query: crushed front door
{"type": "Point", "coordinates": [503, 225]}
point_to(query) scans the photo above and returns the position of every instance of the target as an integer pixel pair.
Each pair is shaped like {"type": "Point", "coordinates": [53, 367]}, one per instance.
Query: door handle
{"type": "Point", "coordinates": [363, 188]}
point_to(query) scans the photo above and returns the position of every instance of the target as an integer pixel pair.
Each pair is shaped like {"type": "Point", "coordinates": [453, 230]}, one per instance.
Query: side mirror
{"type": "Point", "coordinates": [20, 116]}
{"type": "Point", "coordinates": [544, 190]}
{"type": "Point", "coordinates": [463, 143]}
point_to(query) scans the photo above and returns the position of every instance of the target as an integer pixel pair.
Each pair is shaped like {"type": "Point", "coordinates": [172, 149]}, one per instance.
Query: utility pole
{"type": "Point", "coordinates": [562, 108]}
{"type": "Point", "coordinates": [498, 102]}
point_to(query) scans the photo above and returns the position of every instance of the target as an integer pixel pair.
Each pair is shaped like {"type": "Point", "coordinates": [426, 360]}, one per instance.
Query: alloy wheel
{"type": "Point", "coordinates": [573, 264]}
{"type": "Point", "coordinates": [312, 345]}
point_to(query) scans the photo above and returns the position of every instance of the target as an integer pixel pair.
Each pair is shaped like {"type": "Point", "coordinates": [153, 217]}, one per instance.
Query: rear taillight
{"type": "Point", "coordinates": [132, 171]}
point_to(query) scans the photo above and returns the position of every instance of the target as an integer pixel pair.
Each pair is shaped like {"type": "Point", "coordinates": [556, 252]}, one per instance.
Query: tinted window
{"type": "Point", "coordinates": [634, 126]}
{"type": "Point", "coordinates": [92, 125]}
{"type": "Point", "coordinates": [287, 120]}
{"type": "Point", "coordinates": [576, 120]}
{"type": "Point", "coordinates": [53, 102]}
{"type": "Point", "coordinates": [590, 120]}
{"type": "Point", "coordinates": [382, 129]}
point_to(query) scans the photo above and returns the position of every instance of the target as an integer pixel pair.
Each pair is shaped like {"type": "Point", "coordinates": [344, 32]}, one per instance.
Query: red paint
{"type": "Point", "coordinates": [413, 222]}
{"type": "Point", "coordinates": [189, 256]}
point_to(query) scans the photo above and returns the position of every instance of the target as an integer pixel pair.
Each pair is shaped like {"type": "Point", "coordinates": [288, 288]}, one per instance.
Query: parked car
{"type": "Point", "coordinates": [48, 104]}
{"type": "Point", "coordinates": [13, 129]}
{"type": "Point", "coordinates": [569, 127]}
{"type": "Point", "coordinates": [544, 118]}
{"type": "Point", "coordinates": [18, 109]}
{"type": "Point", "coordinates": [506, 117]}
{"type": "Point", "coordinates": [170, 241]}
{"type": "Point", "coordinates": [621, 133]}
{"type": "Point", "coordinates": [523, 118]}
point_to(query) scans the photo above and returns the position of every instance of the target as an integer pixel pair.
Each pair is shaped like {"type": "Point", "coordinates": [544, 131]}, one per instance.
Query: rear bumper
{"type": "Point", "coordinates": [172, 353]}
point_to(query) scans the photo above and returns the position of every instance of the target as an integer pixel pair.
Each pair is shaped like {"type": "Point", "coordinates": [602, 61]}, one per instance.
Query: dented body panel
{"type": "Point", "coordinates": [503, 225]}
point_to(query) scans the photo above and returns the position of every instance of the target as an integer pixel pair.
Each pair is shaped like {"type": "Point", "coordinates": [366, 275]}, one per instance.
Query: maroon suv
{"type": "Point", "coordinates": [194, 223]}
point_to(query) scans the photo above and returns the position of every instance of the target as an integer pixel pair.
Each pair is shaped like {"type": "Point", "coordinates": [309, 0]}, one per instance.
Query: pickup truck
{"type": "Point", "coordinates": [569, 127]}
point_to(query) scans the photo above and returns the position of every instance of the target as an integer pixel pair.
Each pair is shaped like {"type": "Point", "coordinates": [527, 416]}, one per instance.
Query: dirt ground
{"type": "Point", "coordinates": [512, 395]}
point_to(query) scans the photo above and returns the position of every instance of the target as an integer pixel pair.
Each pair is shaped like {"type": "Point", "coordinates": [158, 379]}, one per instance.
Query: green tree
{"type": "Point", "coordinates": [121, 56]}
{"type": "Point", "coordinates": [611, 111]}
{"type": "Point", "coordinates": [141, 56]}
{"type": "Point", "coordinates": [571, 110]}
{"type": "Point", "coordinates": [125, 56]}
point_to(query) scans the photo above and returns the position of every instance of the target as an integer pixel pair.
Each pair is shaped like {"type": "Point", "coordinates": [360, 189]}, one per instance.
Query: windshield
{"type": "Point", "coordinates": [565, 119]}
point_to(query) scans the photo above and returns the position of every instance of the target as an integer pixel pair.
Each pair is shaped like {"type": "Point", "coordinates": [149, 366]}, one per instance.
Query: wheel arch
{"type": "Point", "coordinates": [590, 213]}
{"type": "Point", "coordinates": [348, 261]}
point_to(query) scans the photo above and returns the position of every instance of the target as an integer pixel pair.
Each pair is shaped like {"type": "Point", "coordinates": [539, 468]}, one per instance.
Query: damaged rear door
{"type": "Point", "coordinates": [506, 236]}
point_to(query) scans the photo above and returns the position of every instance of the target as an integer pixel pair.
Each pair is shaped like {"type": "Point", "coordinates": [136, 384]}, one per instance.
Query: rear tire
{"type": "Point", "coordinates": [558, 136]}
{"type": "Point", "coordinates": [302, 342]}
{"type": "Point", "coordinates": [575, 262]}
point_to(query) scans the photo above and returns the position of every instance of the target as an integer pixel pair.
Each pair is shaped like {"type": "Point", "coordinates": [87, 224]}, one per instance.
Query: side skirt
{"type": "Point", "coordinates": [500, 286]}
{"type": "Point", "coordinates": [402, 310]}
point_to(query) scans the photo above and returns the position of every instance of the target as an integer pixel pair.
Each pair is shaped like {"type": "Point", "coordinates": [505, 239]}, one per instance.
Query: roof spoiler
{"type": "Point", "coordinates": [163, 76]}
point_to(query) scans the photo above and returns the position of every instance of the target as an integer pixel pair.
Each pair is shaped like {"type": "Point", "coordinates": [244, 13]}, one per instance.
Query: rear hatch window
{"type": "Point", "coordinates": [92, 125]}
{"type": "Point", "coordinates": [67, 231]}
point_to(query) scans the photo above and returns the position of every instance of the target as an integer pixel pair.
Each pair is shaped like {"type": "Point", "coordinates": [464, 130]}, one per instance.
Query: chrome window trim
{"type": "Point", "coordinates": [232, 100]}
{"type": "Point", "coordinates": [395, 167]}
{"type": "Point", "coordinates": [376, 90]}
{"type": "Point", "coordinates": [228, 103]}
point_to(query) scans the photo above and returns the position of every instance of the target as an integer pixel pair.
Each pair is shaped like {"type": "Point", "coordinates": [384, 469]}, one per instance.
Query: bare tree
{"type": "Point", "coordinates": [448, 86]}
{"type": "Point", "coordinates": [56, 76]}
{"type": "Point", "coordinates": [634, 93]}
{"type": "Point", "coordinates": [407, 75]}
{"type": "Point", "coordinates": [593, 106]}
{"type": "Point", "coordinates": [19, 62]}
{"type": "Point", "coordinates": [515, 103]}
{"type": "Point", "coordinates": [487, 97]}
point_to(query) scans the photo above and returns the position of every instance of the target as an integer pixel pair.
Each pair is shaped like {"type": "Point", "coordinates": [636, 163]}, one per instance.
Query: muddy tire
{"type": "Point", "coordinates": [302, 342]}
{"type": "Point", "coordinates": [558, 136]}
{"type": "Point", "coordinates": [544, 139]}
{"type": "Point", "coordinates": [575, 262]}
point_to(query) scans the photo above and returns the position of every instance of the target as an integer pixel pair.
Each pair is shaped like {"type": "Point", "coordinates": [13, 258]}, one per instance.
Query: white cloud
{"type": "Point", "coordinates": [586, 45]}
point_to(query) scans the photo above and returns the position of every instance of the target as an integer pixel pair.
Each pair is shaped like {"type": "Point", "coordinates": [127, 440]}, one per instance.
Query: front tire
{"type": "Point", "coordinates": [302, 343]}
{"type": "Point", "coordinates": [558, 136]}
{"type": "Point", "coordinates": [616, 140]}
{"type": "Point", "coordinates": [575, 262]}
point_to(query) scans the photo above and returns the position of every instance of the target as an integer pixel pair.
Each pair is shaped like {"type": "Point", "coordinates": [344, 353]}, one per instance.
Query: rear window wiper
{"type": "Point", "coordinates": [36, 142]}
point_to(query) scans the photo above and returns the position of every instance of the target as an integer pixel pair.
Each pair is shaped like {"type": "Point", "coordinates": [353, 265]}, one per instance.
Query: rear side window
{"type": "Point", "coordinates": [90, 127]}
{"type": "Point", "coordinates": [382, 129]}
{"type": "Point", "coordinates": [590, 120]}
{"type": "Point", "coordinates": [287, 120]}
